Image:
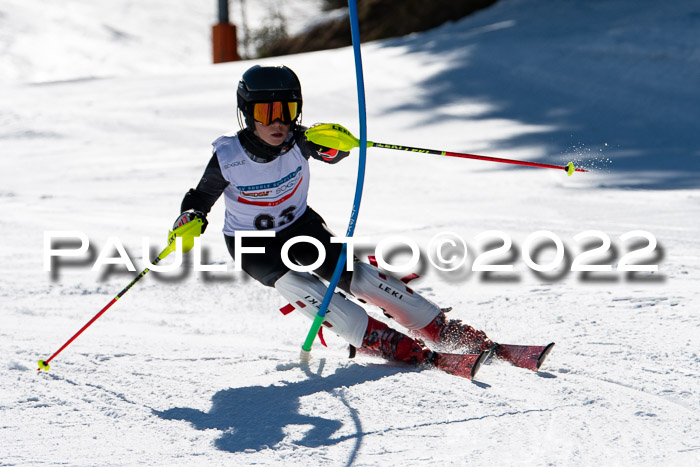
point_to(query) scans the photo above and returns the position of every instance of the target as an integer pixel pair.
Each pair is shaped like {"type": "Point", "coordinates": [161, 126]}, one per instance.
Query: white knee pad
{"type": "Point", "coordinates": [408, 308]}
{"type": "Point", "coordinates": [343, 317]}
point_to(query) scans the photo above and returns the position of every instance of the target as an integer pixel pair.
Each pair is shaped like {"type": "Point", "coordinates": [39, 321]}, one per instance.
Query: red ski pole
{"type": "Point", "coordinates": [187, 232]}
{"type": "Point", "coordinates": [336, 136]}
{"type": "Point", "coordinates": [44, 364]}
{"type": "Point", "coordinates": [569, 168]}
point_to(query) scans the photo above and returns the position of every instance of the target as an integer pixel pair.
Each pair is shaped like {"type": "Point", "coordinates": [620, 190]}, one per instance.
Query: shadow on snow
{"type": "Point", "coordinates": [255, 417]}
{"type": "Point", "coordinates": [594, 87]}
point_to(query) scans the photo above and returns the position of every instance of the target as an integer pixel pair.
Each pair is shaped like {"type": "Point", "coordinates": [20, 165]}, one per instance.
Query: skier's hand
{"type": "Point", "coordinates": [328, 154]}
{"type": "Point", "coordinates": [189, 216]}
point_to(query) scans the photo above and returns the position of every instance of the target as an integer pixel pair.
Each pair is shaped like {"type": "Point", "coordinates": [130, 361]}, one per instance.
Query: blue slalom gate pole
{"type": "Point", "coordinates": [318, 320]}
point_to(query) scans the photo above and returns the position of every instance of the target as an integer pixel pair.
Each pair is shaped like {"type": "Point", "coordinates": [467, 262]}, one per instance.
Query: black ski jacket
{"type": "Point", "coordinates": [212, 184]}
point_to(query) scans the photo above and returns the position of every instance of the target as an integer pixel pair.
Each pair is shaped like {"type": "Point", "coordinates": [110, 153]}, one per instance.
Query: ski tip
{"type": "Point", "coordinates": [543, 355]}
{"type": "Point", "coordinates": [477, 364]}
{"type": "Point", "coordinates": [43, 366]}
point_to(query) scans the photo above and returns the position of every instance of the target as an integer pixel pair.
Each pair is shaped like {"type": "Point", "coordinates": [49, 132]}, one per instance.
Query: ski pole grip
{"type": "Point", "coordinates": [332, 135]}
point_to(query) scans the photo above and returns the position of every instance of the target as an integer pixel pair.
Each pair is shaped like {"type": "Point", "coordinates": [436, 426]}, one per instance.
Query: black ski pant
{"type": "Point", "coordinates": [267, 267]}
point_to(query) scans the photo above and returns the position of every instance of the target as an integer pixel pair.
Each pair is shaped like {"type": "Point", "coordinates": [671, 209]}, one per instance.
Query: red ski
{"type": "Point", "coordinates": [464, 365]}
{"type": "Point", "coordinates": [530, 357]}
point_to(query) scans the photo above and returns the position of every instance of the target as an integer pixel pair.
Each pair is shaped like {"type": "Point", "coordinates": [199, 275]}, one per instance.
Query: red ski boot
{"type": "Point", "coordinates": [383, 341]}
{"type": "Point", "coordinates": [453, 335]}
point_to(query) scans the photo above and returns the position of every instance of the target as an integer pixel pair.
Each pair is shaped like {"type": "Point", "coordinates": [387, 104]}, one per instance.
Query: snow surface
{"type": "Point", "coordinates": [79, 39]}
{"type": "Point", "coordinates": [197, 369]}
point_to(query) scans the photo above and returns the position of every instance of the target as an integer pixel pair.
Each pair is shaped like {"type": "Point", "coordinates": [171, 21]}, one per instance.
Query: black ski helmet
{"type": "Point", "coordinates": [267, 84]}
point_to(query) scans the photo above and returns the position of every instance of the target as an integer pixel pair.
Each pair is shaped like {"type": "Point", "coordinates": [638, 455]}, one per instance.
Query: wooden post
{"type": "Point", "coordinates": [224, 43]}
{"type": "Point", "coordinates": [223, 37]}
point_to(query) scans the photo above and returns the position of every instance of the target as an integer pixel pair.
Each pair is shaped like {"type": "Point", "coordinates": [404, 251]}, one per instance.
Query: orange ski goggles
{"type": "Point", "coordinates": [268, 112]}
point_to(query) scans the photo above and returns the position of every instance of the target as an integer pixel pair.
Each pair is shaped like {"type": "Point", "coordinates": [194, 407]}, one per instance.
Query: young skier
{"type": "Point", "coordinates": [263, 173]}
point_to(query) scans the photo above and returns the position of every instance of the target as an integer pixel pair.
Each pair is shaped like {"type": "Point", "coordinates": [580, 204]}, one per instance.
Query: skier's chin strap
{"type": "Point", "coordinates": [260, 149]}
